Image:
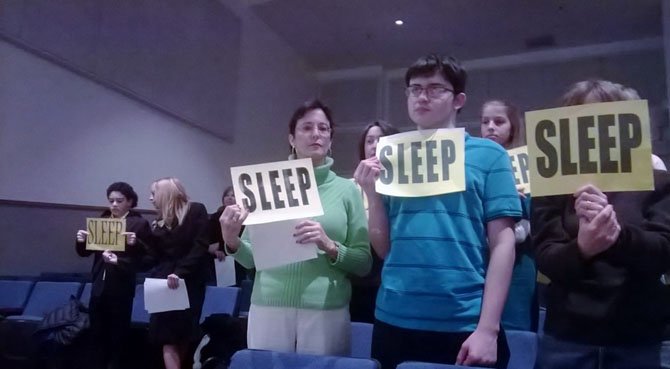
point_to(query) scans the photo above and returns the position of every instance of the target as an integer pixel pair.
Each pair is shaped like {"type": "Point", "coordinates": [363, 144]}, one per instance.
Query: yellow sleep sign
{"type": "Point", "coordinates": [606, 144]}
{"type": "Point", "coordinates": [105, 234]}
{"type": "Point", "coordinates": [422, 163]}
{"type": "Point", "coordinates": [518, 157]}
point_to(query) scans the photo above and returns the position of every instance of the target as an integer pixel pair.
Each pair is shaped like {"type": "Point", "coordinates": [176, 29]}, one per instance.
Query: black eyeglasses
{"type": "Point", "coordinates": [432, 91]}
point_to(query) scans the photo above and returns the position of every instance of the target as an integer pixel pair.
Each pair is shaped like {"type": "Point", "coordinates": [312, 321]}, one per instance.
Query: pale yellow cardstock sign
{"type": "Point", "coordinates": [276, 191]}
{"type": "Point", "coordinates": [605, 144]}
{"type": "Point", "coordinates": [105, 234]}
{"type": "Point", "coordinates": [518, 157]}
{"type": "Point", "coordinates": [422, 163]}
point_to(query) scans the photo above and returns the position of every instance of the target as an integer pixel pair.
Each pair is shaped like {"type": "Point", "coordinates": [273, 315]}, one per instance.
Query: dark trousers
{"type": "Point", "coordinates": [110, 322]}
{"type": "Point", "coordinates": [393, 345]}
{"type": "Point", "coordinates": [555, 353]}
{"type": "Point", "coordinates": [362, 304]}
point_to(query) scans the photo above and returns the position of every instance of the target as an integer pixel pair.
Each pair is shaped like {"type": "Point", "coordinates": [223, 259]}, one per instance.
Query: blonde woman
{"type": "Point", "coordinates": [180, 249]}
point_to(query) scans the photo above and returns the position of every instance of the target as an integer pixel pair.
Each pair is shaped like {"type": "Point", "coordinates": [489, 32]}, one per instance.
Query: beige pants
{"type": "Point", "coordinates": [305, 331]}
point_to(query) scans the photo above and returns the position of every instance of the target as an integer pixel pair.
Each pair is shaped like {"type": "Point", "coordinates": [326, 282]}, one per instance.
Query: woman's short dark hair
{"type": "Point", "coordinates": [386, 129]}
{"type": "Point", "coordinates": [126, 190]}
{"type": "Point", "coordinates": [307, 107]}
{"type": "Point", "coordinates": [448, 67]}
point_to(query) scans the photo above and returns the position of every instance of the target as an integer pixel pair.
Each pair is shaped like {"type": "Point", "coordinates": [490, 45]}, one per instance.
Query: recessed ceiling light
{"type": "Point", "coordinates": [399, 22]}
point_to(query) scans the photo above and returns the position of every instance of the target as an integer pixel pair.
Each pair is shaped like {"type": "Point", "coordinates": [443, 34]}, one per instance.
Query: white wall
{"type": "Point", "coordinates": [64, 139]}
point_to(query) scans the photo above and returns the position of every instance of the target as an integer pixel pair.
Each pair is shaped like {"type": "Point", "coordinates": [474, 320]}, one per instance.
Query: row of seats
{"type": "Point", "coordinates": [21, 299]}
{"type": "Point", "coordinates": [30, 301]}
{"type": "Point", "coordinates": [523, 352]}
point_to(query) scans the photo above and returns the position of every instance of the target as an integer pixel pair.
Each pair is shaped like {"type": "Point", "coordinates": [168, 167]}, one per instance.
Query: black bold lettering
{"type": "Point", "coordinates": [416, 162]}
{"type": "Point", "coordinates": [402, 177]}
{"type": "Point", "coordinates": [515, 169]}
{"type": "Point", "coordinates": [605, 143]}
{"type": "Point", "coordinates": [431, 160]}
{"type": "Point", "coordinates": [250, 202]}
{"type": "Point", "coordinates": [104, 233]}
{"type": "Point", "coordinates": [304, 183]}
{"type": "Point", "coordinates": [586, 144]}
{"type": "Point", "coordinates": [546, 166]}
{"type": "Point", "coordinates": [92, 231]}
{"type": "Point", "coordinates": [568, 167]}
{"type": "Point", "coordinates": [448, 149]}
{"type": "Point", "coordinates": [630, 136]}
{"type": "Point", "coordinates": [386, 175]}
{"type": "Point", "coordinates": [265, 204]}
{"type": "Point", "coordinates": [290, 187]}
{"type": "Point", "coordinates": [276, 189]}
{"type": "Point", "coordinates": [523, 166]}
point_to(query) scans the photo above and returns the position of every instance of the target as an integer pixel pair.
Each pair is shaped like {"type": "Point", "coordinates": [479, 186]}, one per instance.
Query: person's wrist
{"type": "Point", "coordinates": [233, 245]}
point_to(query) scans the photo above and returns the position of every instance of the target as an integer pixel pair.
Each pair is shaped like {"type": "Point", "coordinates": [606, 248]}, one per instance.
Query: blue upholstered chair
{"type": "Point", "coordinates": [223, 300]}
{"type": "Point", "coordinates": [361, 340]}
{"type": "Point", "coordinates": [256, 359]}
{"type": "Point", "coordinates": [13, 296]}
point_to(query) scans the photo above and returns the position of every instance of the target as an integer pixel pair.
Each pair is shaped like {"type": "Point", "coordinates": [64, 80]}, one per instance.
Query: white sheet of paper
{"type": "Point", "coordinates": [225, 272]}
{"type": "Point", "coordinates": [273, 244]}
{"type": "Point", "coordinates": [158, 297]}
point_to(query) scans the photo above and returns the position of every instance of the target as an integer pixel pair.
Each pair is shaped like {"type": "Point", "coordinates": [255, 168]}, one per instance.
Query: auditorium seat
{"type": "Point", "coordinates": [257, 359]}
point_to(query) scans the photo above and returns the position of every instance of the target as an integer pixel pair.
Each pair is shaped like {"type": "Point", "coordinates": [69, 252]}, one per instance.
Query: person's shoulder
{"type": "Point", "coordinates": [345, 183]}
{"type": "Point", "coordinates": [197, 207]}
{"type": "Point", "coordinates": [134, 214]}
{"type": "Point", "coordinates": [483, 144]}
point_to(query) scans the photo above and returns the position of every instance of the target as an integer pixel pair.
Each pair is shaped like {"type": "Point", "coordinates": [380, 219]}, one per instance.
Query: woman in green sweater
{"type": "Point", "coordinates": [304, 307]}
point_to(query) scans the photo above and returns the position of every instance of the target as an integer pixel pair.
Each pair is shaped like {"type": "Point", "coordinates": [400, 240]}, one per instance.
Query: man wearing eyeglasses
{"type": "Point", "coordinates": [449, 257]}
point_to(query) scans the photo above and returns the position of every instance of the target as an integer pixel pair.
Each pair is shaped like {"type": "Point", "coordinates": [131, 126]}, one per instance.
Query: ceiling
{"type": "Point", "coordinates": [336, 34]}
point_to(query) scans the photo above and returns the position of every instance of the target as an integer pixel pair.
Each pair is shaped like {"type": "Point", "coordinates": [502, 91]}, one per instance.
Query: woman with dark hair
{"type": "Point", "coordinates": [303, 307]}
{"type": "Point", "coordinates": [605, 254]}
{"type": "Point", "coordinates": [216, 243]}
{"type": "Point", "coordinates": [501, 122]}
{"type": "Point", "coordinates": [113, 276]}
{"type": "Point", "coordinates": [364, 289]}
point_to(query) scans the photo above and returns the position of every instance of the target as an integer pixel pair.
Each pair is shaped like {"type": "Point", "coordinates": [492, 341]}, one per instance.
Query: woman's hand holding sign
{"type": "Point", "coordinates": [231, 224]}
{"type": "Point", "coordinates": [309, 231]}
{"type": "Point", "coordinates": [366, 174]}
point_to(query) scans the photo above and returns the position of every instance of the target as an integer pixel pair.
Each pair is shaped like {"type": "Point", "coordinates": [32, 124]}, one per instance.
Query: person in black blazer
{"type": "Point", "coordinates": [113, 275]}
{"type": "Point", "coordinates": [217, 245]}
{"type": "Point", "coordinates": [180, 251]}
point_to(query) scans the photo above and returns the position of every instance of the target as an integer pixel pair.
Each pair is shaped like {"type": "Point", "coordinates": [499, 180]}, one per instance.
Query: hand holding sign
{"type": "Point", "coordinates": [367, 173]}
{"type": "Point", "coordinates": [599, 234]}
{"type": "Point", "coordinates": [131, 237]}
{"type": "Point", "coordinates": [81, 235]}
{"type": "Point", "coordinates": [590, 201]}
{"type": "Point", "coordinates": [231, 224]}
{"type": "Point", "coordinates": [173, 281]}
{"type": "Point", "coordinates": [309, 231]}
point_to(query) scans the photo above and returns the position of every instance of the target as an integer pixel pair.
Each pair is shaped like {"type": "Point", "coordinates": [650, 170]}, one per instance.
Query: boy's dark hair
{"type": "Point", "coordinates": [307, 107]}
{"type": "Point", "coordinates": [126, 190]}
{"type": "Point", "coordinates": [448, 67]}
{"type": "Point", "coordinates": [386, 128]}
